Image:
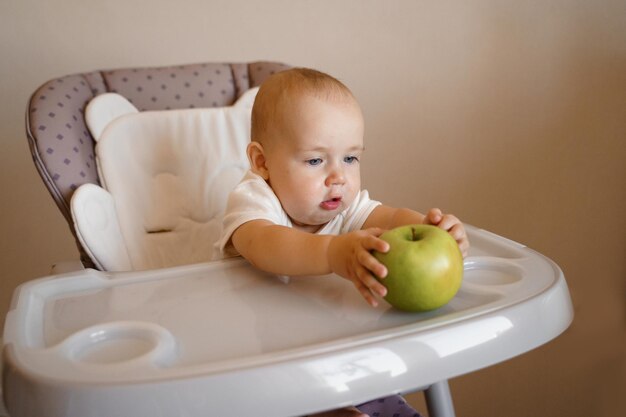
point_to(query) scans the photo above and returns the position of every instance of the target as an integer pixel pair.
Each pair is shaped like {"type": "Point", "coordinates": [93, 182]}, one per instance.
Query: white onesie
{"type": "Point", "coordinates": [253, 199]}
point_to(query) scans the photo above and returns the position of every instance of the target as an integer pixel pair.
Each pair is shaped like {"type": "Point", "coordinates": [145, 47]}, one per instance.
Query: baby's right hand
{"type": "Point", "coordinates": [350, 256]}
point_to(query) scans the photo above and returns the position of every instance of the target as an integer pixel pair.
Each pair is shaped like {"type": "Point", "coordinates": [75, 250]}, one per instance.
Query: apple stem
{"type": "Point", "coordinates": [414, 234]}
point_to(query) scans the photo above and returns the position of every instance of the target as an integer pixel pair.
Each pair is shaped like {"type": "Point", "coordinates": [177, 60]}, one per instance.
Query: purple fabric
{"type": "Point", "coordinates": [392, 406]}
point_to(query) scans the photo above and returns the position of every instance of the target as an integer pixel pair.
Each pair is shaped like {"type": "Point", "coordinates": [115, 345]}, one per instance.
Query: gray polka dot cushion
{"type": "Point", "coordinates": [62, 146]}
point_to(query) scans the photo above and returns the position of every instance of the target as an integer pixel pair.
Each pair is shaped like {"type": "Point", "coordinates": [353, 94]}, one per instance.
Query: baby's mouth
{"type": "Point", "coordinates": [332, 204]}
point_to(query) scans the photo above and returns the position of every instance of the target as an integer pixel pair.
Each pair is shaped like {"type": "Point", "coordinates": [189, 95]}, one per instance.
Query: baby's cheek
{"type": "Point", "coordinates": [350, 196]}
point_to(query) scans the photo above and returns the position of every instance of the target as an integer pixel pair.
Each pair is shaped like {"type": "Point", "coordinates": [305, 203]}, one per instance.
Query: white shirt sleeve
{"type": "Point", "coordinates": [252, 199]}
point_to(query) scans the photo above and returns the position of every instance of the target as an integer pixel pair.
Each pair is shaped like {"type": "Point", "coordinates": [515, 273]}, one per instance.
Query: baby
{"type": "Point", "coordinates": [300, 209]}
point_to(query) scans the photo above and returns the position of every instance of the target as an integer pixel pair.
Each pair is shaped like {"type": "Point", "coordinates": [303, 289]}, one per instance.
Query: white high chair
{"type": "Point", "coordinates": [221, 338]}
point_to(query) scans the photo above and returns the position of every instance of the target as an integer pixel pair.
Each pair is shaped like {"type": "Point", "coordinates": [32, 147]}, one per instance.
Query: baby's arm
{"type": "Point", "coordinates": [386, 217]}
{"type": "Point", "coordinates": [287, 251]}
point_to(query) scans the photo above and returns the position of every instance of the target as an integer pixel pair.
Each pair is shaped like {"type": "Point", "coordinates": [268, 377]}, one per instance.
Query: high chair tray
{"type": "Point", "coordinates": [223, 339]}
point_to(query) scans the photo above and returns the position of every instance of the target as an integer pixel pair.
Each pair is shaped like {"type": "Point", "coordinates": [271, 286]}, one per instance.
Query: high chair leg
{"type": "Point", "coordinates": [439, 400]}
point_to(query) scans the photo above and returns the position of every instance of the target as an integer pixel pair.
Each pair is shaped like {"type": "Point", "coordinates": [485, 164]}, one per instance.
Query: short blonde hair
{"type": "Point", "coordinates": [281, 90]}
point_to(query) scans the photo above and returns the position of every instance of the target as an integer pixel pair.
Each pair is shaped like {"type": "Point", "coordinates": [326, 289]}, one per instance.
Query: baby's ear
{"type": "Point", "coordinates": [256, 156]}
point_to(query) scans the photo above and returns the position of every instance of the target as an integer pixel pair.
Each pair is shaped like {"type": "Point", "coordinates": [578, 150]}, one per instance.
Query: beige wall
{"type": "Point", "coordinates": [510, 114]}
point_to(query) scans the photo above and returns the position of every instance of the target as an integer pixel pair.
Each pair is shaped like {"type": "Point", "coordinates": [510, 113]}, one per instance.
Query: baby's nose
{"type": "Point", "coordinates": [336, 177]}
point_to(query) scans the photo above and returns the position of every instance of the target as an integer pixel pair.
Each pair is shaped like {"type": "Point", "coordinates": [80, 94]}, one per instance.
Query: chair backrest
{"type": "Point", "coordinates": [165, 178]}
{"type": "Point", "coordinates": [61, 144]}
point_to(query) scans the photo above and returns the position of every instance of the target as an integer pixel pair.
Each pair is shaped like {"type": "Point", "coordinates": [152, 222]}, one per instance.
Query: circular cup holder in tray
{"type": "Point", "coordinates": [123, 343]}
{"type": "Point", "coordinates": [492, 271]}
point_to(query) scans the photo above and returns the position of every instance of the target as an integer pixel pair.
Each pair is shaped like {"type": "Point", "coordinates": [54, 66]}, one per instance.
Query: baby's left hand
{"type": "Point", "coordinates": [451, 224]}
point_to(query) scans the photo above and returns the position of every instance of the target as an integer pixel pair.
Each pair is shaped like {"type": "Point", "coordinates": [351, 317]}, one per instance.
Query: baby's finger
{"type": "Point", "coordinates": [374, 243]}
{"type": "Point", "coordinates": [374, 231]}
{"type": "Point", "coordinates": [464, 246]}
{"type": "Point", "coordinates": [365, 293]}
{"type": "Point", "coordinates": [448, 221]}
{"type": "Point", "coordinates": [366, 278]}
{"type": "Point", "coordinates": [371, 264]}
{"type": "Point", "coordinates": [457, 232]}
{"type": "Point", "coordinates": [433, 216]}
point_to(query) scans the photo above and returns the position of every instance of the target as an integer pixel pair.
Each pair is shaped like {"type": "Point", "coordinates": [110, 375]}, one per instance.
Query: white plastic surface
{"type": "Point", "coordinates": [223, 339]}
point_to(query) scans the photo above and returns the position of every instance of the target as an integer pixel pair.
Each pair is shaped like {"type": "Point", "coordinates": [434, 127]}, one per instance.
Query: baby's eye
{"type": "Point", "coordinates": [350, 159]}
{"type": "Point", "coordinates": [314, 161]}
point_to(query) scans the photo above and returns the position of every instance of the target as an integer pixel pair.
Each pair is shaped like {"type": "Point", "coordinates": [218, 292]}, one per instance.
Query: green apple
{"type": "Point", "coordinates": [425, 267]}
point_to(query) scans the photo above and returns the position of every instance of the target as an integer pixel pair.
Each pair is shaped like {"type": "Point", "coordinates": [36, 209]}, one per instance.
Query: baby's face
{"type": "Point", "coordinates": [313, 162]}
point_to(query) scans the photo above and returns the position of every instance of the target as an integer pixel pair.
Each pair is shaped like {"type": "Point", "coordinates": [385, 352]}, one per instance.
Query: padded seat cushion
{"type": "Point", "coordinates": [165, 179]}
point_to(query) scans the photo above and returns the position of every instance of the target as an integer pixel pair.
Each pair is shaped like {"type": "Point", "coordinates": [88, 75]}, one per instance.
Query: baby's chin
{"type": "Point", "coordinates": [309, 228]}
{"type": "Point", "coordinates": [311, 225]}
{"type": "Point", "coordinates": [319, 217]}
